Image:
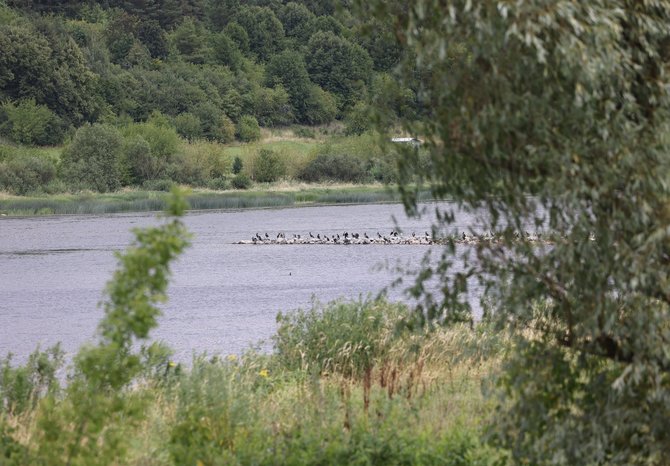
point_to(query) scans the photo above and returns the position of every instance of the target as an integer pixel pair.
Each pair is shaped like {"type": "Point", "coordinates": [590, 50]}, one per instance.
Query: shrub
{"type": "Point", "coordinates": [158, 185]}
{"type": "Point", "coordinates": [304, 132]}
{"type": "Point", "coordinates": [337, 166]}
{"type": "Point", "coordinates": [55, 186]}
{"type": "Point", "coordinates": [237, 165]}
{"type": "Point", "coordinates": [162, 138]}
{"type": "Point", "coordinates": [248, 129]}
{"type": "Point", "coordinates": [224, 131]}
{"type": "Point", "coordinates": [342, 337]}
{"type": "Point", "coordinates": [93, 159]}
{"type": "Point", "coordinates": [29, 123]}
{"type": "Point", "coordinates": [359, 120]}
{"type": "Point", "coordinates": [23, 386]}
{"type": "Point", "coordinates": [241, 181]}
{"type": "Point", "coordinates": [320, 106]}
{"type": "Point", "coordinates": [268, 166]}
{"type": "Point", "coordinates": [219, 184]}
{"type": "Point", "coordinates": [188, 126]}
{"type": "Point", "coordinates": [142, 165]}
{"type": "Point", "coordinates": [25, 175]}
{"type": "Point", "coordinates": [216, 126]}
{"type": "Point", "coordinates": [188, 169]}
{"type": "Point", "coordinates": [384, 169]}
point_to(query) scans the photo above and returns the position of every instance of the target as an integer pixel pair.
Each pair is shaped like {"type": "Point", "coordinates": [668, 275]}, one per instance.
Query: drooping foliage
{"type": "Point", "coordinates": [552, 116]}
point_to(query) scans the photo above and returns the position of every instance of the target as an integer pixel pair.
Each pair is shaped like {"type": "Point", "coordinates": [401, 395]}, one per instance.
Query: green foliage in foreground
{"type": "Point", "coordinates": [552, 114]}
{"type": "Point", "coordinates": [359, 389]}
{"type": "Point", "coordinates": [85, 424]}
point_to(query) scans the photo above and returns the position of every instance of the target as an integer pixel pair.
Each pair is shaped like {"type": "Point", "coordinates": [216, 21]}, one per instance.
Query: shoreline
{"type": "Point", "coordinates": [138, 201]}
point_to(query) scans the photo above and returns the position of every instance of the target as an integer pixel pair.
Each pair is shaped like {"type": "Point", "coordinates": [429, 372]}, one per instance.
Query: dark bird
{"type": "Point", "coordinates": [366, 236]}
{"type": "Point", "coordinates": [311, 235]}
{"type": "Point", "coordinates": [464, 237]}
{"type": "Point", "coordinates": [267, 236]}
{"type": "Point", "coordinates": [318, 236]}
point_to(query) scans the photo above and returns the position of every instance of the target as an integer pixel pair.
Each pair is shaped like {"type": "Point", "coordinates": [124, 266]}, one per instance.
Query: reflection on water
{"type": "Point", "coordinates": [223, 296]}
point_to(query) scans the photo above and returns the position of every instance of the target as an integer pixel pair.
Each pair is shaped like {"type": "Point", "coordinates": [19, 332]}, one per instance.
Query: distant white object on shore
{"type": "Point", "coordinates": [412, 141]}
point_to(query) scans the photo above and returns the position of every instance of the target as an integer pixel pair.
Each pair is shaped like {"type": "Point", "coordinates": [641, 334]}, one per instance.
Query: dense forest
{"type": "Point", "coordinates": [137, 74]}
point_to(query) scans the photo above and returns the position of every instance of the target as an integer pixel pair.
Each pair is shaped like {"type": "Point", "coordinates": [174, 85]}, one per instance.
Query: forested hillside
{"type": "Point", "coordinates": [139, 71]}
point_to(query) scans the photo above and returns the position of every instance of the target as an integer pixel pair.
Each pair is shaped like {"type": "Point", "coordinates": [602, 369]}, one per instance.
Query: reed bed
{"type": "Point", "coordinates": [147, 201]}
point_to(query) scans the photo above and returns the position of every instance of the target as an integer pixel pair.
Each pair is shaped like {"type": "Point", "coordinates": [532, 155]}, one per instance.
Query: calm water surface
{"type": "Point", "coordinates": [223, 297]}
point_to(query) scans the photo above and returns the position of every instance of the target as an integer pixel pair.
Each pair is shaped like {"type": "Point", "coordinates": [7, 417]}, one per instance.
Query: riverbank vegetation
{"type": "Point", "coordinates": [345, 385]}
{"type": "Point", "coordinates": [200, 93]}
{"type": "Point", "coordinates": [269, 196]}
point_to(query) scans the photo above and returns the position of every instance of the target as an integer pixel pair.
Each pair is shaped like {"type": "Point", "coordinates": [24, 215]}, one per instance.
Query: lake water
{"type": "Point", "coordinates": [223, 297]}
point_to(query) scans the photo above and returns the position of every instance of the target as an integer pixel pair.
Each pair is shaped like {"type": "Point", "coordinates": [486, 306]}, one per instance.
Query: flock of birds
{"type": "Point", "coordinates": [394, 237]}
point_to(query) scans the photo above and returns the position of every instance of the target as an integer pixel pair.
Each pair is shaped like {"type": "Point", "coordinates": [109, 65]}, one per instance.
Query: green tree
{"type": "Point", "coordinates": [553, 115]}
{"type": "Point", "coordinates": [338, 66]}
{"type": "Point", "coordinates": [297, 21]}
{"type": "Point", "coordinates": [52, 70]}
{"type": "Point", "coordinates": [359, 120]}
{"type": "Point", "coordinates": [239, 35]}
{"type": "Point", "coordinates": [93, 158]}
{"type": "Point", "coordinates": [25, 175]}
{"type": "Point", "coordinates": [237, 165]}
{"type": "Point", "coordinates": [154, 38]}
{"type": "Point", "coordinates": [120, 35]}
{"type": "Point", "coordinates": [320, 106]}
{"type": "Point", "coordinates": [225, 51]}
{"type": "Point", "coordinates": [216, 126]}
{"type": "Point", "coordinates": [272, 107]}
{"type": "Point", "coordinates": [248, 129]}
{"type": "Point", "coordinates": [219, 12]}
{"type": "Point", "coordinates": [29, 123]}
{"type": "Point", "coordinates": [265, 31]}
{"type": "Point", "coordinates": [191, 40]}
{"type": "Point", "coordinates": [289, 70]}
{"type": "Point", "coordinates": [268, 166]}
{"type": "Point", "coordinates": [188, 126]}
{"type": "Point", "coordinates": [378, 39]}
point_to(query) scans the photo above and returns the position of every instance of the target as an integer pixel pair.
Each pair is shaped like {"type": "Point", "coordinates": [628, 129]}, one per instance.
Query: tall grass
{"type": "Point", "coordinates": [144, 201]}
{"type": "Point", "coordinates": [348, 383]}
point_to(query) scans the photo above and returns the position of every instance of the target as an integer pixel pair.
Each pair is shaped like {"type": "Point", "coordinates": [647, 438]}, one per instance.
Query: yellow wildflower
{"type": "Point", "coordinates": [264, 373]}
{"type": "Point", "coordinates": [172, 364]}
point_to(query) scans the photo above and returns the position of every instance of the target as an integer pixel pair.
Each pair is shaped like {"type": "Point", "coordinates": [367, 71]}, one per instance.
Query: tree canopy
{"type": "Point", "coordinates": [552, 116]}
{"type": "Point", "coordinates": [95, 61]}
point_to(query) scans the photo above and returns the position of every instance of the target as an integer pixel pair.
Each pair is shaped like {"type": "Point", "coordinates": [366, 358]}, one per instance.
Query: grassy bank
{"type": "Point", "coordinates": [276, 195]}
{"type": "Point", "coordinates": [344, 385]}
